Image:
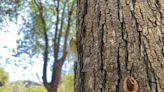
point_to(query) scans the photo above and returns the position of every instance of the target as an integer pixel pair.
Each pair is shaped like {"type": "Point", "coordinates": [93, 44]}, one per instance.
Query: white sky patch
{"type": "Point", "coordinates": [8, 37]}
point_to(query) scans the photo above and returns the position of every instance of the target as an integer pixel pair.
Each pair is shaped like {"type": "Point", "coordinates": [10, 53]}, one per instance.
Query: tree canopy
{"type": "Point", "coordinates": [4, 78]}
{"type": "Point", "coordinates": [46, 28]}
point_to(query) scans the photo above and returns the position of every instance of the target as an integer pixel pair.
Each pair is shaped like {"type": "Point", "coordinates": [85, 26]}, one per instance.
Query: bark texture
{"type": "Point", "coordinates": [117, 39]}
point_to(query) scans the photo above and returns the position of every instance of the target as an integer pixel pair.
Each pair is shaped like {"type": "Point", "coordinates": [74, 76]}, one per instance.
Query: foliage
{"type": "Point", "coordinates": [6, 89]}
{"type": "Point", "coordinates": [9, 11]}
{"type": "Point", "coordinates": [33, 42]}
{"type": "Point", "coordinates": [72, 55]}
{"type": "Point", "coordinates": [67, 83]}
{"type": "Point", "coordinates": [4, 78]}
{"type": "Point", "coordinates": [36, 89]}
{"type": "Point", "coordinates": [18, 87]}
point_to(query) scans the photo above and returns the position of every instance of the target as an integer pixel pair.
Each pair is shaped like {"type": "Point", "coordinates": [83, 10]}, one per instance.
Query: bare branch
{"type": "Point", "coordinates": [56, 49]}
{"type": "Point", "coordinates": [67, 32]}
{"type": "Point", "coordinates": [62, 23]}
{"type": "Point", "coordinates": [40, 7]}
{"type": "Point", "coordinates": [37, 75]}
{"type": "Point", "coordinates": [56, 31]}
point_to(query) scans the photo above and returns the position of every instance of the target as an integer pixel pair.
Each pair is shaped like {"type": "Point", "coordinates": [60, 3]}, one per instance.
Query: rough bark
{"type": "Point", "coordinates": [117, 39]}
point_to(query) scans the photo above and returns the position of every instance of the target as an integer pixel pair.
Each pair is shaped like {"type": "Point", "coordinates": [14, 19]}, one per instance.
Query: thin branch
{"type": "Point", "coordinates": [67, 32]}
{"type": "Point", "coordinates": [56, 31]}
{"type": "Point", "coordinates": [56, 49]}
{"type": "Point", "coordinates": [61, 25]}
{"type": "Point", "coordinates": [58, 63]}
{"type": "Point", "coordinates": [36, 3]}
{"type": "Point", "coordinates": [40, 7]}
{"type": "Point", "coordinates": [37, 75]}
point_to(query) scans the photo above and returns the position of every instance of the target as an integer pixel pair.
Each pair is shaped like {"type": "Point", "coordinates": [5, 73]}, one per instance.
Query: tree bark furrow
{"type": "Point", "coordinates": [121, 38]}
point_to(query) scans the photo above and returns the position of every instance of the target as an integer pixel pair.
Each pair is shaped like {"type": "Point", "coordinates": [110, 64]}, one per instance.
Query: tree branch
{"type": "Point", "coordinates": [56, 49]}
{"type": "Point", "coordinates": [40, 7]}
{"type": "Point", "coordinates": [57, 67]}
{"type": "Point", "coordinates": [56, 32]}
{"type": "Point", "coordinates": [61, 25]}
{"type": "Point", "coordinates": [67, 32]}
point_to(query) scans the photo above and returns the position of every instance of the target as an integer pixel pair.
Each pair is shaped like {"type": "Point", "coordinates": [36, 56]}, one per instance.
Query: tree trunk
{"type": "Point", "coordinates": [120, 44]}
{"type": "Point", "coordinates": [53, 86]}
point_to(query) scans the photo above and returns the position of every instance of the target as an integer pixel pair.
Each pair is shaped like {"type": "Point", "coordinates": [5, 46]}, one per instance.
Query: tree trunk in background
{"type": "Point", "coordinates": [117, 39]}
{"type": "Point", "coordinates": [53, 87]}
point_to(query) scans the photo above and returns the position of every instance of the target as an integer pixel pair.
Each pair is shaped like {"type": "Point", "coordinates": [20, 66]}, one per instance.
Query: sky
{"type": "Point", "coordinates": [8, 37]}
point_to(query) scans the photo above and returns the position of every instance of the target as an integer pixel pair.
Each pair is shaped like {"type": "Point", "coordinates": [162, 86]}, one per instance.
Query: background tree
{"type": "Point", "coordinates": [46, 28]}
{"type": "Point", "coordinates": [4, 78]}
{"type": "Point", "coordinates": [57, 38]}
{"type": "Point", "coordinates": [120, 39]}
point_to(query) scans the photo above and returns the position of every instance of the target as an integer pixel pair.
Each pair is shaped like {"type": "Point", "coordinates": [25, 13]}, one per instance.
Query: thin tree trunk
{"type": "Point", "coordinates": [117, 40]}
{"type": "Point", "coordinates": [53, 87]}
